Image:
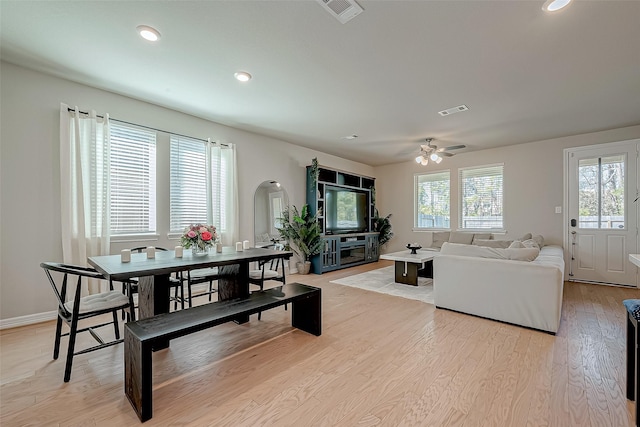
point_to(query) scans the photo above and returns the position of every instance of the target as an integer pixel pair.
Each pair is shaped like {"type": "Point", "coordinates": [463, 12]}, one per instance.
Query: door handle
{"type": "Point", "coordinates": [573, 222]}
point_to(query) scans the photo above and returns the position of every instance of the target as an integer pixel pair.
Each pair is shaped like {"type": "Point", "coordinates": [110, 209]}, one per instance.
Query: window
{"type": "Point", "coordinates": [188, 190]}
{"type": "Point", "coordinates": [432, 200]}
{"type": "Point", "coordinates": [200, 174]}
{"type": "Point", "coordinates": [481, 203]}
{"type": "Point", "coordinates": [132, 180]}
{"type": "Point", "coordinates": [601, 192]}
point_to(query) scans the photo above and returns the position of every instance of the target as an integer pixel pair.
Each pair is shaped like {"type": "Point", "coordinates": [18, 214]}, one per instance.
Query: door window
{"type": "Point", "coordinates": [601, 192]}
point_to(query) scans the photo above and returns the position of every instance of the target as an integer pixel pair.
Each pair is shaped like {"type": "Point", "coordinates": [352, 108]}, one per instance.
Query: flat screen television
{"type": "Point", "coordinates": [345, 210]}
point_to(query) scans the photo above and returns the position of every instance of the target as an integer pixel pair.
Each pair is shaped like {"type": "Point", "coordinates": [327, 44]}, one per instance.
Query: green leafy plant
{"type": "Point", "coordinates": [315, 172]}
{"type": "Point", "coordinates": [383, 226]}
{"type": "Point", "coordinates": [303, 230]}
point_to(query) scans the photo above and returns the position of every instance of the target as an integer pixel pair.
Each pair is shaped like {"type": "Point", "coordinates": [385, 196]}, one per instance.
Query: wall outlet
{"type": "Point", "coordinates": [558, 209]}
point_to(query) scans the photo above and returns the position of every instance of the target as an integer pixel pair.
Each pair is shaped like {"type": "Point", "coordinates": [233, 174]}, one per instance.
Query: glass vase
{"type": "Point", "coordinates": [198, 251]}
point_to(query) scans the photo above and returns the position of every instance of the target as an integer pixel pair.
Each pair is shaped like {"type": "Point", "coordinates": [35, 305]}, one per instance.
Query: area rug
{"type": "Point", "coordinates": [382, 281]}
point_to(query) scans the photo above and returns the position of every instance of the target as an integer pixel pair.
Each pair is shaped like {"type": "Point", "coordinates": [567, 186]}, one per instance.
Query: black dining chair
{"type": "Point", "coordinates": [130, 286]}
{"type": "Point", "coordinates": [73, 307]}
{"type": "Point", "coordinates": [269, 270]}
{"type": "Point", "coordinates": [201, 275]}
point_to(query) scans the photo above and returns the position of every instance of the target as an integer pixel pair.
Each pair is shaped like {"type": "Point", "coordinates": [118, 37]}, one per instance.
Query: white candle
{"type": "Point", "coordinates": [219, 248]}
{"type": "Point", "coordinates": [238, 246]}
{"type": "Point", "coordinates": [151, 252]}
{"type": "Point", "coordinates": [125, 255]}
{"type": "Point", "coordinates": [245, 244]}
{"type": "Point", "coordinates": [178, 251]}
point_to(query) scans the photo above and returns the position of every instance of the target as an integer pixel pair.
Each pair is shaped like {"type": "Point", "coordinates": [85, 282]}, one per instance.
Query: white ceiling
{"type": "Point", "coordinates": [525, 75]}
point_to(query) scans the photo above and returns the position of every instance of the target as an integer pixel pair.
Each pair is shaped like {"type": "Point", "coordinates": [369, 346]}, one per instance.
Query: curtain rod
{"type": "Point", "coordinates": [150, 128]}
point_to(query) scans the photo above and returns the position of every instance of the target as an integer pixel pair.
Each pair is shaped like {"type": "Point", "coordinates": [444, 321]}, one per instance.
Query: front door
{"type": "Point", "coordinates": [603, 216]}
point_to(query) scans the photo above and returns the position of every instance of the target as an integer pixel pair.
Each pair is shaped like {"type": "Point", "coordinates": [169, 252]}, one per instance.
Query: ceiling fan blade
{"type": "Point", "coordinates": [455, 147]}
{"type": "Point", "coordinates": [446, 154]}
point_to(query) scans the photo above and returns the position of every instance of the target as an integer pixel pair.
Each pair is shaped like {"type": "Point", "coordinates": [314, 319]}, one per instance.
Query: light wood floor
{"type": "Point", "coordinates": [381, 360]}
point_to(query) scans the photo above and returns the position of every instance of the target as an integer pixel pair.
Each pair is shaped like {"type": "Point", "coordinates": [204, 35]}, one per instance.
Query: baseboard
{"type": "Point", "coordinates": [30, 319]}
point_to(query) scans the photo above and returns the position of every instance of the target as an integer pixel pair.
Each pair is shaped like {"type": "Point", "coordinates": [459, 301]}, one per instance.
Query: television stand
{"type": "Point", "coordinates": [347, 247]}
{"type": "Point", "coordinates": [345, 250]}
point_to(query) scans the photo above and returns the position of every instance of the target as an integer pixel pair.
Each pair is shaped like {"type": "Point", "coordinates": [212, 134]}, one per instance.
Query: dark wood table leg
{"type": "Point", "coordinates": [306, 314]}
{"type": "Point", "coordinates": [153, 299]}
{"type": "Point", "coordinates": [427, 271]}
{"type": "Point", "coordinates": [138, 385]}
{"type": "Point", "coordinates": [233, 282]}
{"type": "Point", "coordinates": [411, 277]}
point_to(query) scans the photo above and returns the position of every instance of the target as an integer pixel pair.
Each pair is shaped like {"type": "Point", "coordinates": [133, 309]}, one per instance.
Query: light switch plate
{"type": "Point", "coordinates": [558, 209]}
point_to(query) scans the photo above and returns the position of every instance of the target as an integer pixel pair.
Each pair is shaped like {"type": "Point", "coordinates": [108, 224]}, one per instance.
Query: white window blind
{"type": "Point", "coordinates": [481, 202]}
{"type": "Point", "coordinates": [133, 180]}
{"type": "Point", "coordinates": [432, 200]}
{"type": "Point", "coordinates": [188, 198]}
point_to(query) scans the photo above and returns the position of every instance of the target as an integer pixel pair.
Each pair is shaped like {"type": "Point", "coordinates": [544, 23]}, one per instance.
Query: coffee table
{"type": "Point", "coordinates": [409, 266]}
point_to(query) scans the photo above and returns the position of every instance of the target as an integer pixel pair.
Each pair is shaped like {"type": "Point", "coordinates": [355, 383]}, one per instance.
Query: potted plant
{"type": "Point", "coordinates": [302, 233]}
{"type": "Point", "coordinates": [383, 226]}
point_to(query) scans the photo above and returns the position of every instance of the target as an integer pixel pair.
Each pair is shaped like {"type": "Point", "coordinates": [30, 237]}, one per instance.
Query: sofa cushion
{"type": "Point", "coordinates": [481, 236]}
{"type": "Point", "coordinates": [525, 237]}
{"type": "Point", "coordinates": [514, 254]}
{"type": "Point", "coordinates": [502, 244]}
{"type": "Point", "coordinates": [461, 237]}
{"type": "Point", "coordinates": [516, 244]}
{"type": "Point", "coordinates": [439, 237]}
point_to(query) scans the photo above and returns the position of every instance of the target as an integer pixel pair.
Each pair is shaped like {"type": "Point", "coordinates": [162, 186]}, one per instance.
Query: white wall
{"type": "Point", "coordinates": [533, 186]}
{"type": "Point", "coordinates": [30, 173]}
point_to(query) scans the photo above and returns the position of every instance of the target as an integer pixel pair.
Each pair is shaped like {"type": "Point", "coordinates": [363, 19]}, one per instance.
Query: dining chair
{"type": "Point", "coordinates": [130, 286]}
{"type": "Point", "coordinates": [201, 275]}
{"type": "Point", "coordinates": [269, 270]}
{"type": "Point", "coordinates": [71, 311]}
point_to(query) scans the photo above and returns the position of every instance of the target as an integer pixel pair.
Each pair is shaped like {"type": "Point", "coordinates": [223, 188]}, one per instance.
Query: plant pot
{"type": "Point", "coordinates": [303, 267]}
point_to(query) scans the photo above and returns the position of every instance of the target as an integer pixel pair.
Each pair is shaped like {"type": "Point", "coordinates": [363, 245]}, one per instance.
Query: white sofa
{"type": "Point", "coordinates": [526, 293]}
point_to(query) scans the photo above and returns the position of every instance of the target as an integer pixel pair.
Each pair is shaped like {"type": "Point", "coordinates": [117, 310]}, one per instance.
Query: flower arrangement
{"type": "Point", "coordinates": [199, 237]}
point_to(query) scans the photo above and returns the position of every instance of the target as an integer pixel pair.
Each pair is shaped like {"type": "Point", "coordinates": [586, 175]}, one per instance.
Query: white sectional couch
{"type": "Point", "coordinates": [484, 282]}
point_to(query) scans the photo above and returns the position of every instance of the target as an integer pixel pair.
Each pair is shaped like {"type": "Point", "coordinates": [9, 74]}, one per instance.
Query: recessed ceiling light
{"type": "Point", "coordinates": [242, 76]}
{"type": "Point", "coordinates": [554, 5]}
{"type": "Point", "coordinates": [148, 33]}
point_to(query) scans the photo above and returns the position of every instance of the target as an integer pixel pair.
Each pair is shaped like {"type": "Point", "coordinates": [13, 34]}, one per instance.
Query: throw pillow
{"type": "Point", "coordinates": [539, 240]}
{"type": "Point", "coordinates": [502, 244]}
{"type": "Point", "coordinates": [461, 237]}
{"type": "Point", "coordinates": [525, 237]}
{"type": "Point", "coordinates": [523, 254]}
{"type": "Point", "coordinates": [517, 244]}
{"type": "Point", "coordinates": [530, 243]}
{"type": "Point", "coordinates": [439, 237]}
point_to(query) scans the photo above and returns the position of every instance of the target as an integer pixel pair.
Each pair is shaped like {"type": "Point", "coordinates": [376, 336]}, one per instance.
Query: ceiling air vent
{"type": "Point", "coordinates": [453, 110]}
{"type": "Point", "coordinates": [343, 10]}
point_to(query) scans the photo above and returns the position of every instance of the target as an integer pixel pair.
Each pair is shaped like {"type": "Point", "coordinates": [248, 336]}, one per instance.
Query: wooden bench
{"type": "Point", "coordinates": [140, 336]}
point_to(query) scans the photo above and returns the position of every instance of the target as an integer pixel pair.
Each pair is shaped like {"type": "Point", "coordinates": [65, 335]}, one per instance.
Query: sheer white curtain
{"type": "Point", "coordinates": [222, 188]}
{"type": "Point", "coordinates": [84, 186]}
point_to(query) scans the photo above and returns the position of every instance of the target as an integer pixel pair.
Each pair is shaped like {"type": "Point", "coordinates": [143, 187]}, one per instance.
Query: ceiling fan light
{"type": "Point", "coordinates": [438, 160]}
{"type": "Point", "coordinates": [419, 159]}
{"type": "Point", "coordinates": [424, 161]}
{"type": "Point", "coordinates": [434, 157]}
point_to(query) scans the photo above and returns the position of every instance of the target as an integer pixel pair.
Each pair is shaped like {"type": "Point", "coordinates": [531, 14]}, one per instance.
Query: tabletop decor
{"type": "Point", "coordinates": [199, 238]}
{"type": "Point", "coordinates": [414, 247]}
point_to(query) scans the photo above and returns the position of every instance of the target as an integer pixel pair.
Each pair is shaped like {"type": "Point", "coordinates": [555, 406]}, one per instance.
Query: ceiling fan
{"type": "Point", "coordinates": [431, 152]}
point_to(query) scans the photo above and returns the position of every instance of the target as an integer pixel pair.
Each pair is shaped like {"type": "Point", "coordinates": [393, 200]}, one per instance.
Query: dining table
{"type": "Point", "coordinates": [153, 274]}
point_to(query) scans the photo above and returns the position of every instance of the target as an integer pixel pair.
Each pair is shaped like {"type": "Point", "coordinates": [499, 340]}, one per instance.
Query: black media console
{"type": "Point", "coordinates": [347, 236]}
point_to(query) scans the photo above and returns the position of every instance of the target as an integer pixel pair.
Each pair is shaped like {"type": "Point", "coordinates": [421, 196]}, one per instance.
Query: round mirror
{"type": "Point", "coordinates": [269, 201]}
